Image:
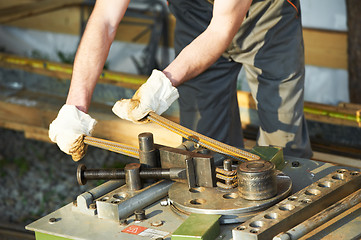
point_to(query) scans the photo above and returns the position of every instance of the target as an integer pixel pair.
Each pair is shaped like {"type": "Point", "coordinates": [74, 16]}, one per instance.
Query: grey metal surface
{"type": "Point", "coordinates": [122, 202]}
{"type": "Point", "coordinates": [228, 203]}
{"type": "Point", "coordinates": [132, 177]}
{"type": "Point", "coordinates": [320, 218]}
{"type": "Point", "coordinates": [299, 206]}
{"type": "Point", "coordinates": [84, 200]}
{"type": "Point", "coordinates": [76, 225]}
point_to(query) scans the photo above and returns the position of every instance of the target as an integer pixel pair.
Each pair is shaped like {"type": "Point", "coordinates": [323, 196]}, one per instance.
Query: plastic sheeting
{"type": "Point", "coordinates": [324, 14]}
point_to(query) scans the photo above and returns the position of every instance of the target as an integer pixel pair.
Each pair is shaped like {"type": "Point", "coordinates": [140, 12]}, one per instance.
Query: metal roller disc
{"type": "Point", "coordinates": [227, 203]}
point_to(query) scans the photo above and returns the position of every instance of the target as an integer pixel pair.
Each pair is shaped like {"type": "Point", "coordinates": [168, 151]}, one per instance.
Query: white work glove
{"type": "Point", "coordinates": [156, 95]}
{"type": "Point", "coordinates": [68, 130]}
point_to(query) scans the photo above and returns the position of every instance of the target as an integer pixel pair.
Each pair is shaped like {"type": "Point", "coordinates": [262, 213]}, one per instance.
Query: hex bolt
{"type": "Point", "coordinates": [92, 206]}
{"type": "Point", "coordinates": [139, 215]}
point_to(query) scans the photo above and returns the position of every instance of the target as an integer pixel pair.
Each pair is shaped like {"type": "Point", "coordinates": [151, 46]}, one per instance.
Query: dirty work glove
{"type": "Point", "coordinates": [68, 130]}
{"type": "Point", "coordinates": [156, 95]}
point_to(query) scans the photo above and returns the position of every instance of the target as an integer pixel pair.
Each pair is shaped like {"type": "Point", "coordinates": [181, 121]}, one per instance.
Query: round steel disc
{"type": "Point", "coordinates": [227, 203]}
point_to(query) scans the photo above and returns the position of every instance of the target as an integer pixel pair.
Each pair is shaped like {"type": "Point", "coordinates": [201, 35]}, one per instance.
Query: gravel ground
{"type": "Point", "coordinates": [36, 178]}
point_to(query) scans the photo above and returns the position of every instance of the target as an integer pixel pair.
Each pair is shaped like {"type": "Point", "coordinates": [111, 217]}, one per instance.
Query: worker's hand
{"type": "Point", "coordinates": [68, 130]}
{"type": "Point", "coordinates": [156, 95]}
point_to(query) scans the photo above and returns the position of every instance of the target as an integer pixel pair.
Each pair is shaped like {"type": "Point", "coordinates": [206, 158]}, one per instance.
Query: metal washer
{"type": "Point", "coordinates": [227, 203]}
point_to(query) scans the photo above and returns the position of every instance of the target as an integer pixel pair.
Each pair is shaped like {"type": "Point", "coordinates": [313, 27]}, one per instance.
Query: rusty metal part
{"type": "Point", "coordinates": [257, 180]}
{"type": "Point", "coordinates": [84, 174]}
{"type": "Point", "coordinates": [300, 206]}
{"type": "Point", "coordinates": [112, 146]}
{"type": "Point", "coordinates": [227, 186]}
{"type": "Point", "coordinates": [321, 218]}
{"type": "Point", "coordinates": [227, 175]}
{"type": "Point", "coordinates": [202, 140]}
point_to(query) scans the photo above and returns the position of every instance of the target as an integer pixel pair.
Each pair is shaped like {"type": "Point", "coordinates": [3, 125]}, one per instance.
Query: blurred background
{"type": "Point", "coordinates": [38, 41]}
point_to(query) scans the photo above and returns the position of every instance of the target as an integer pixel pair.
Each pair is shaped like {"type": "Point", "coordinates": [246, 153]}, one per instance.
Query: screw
{"type": "Point", "coordinates": [53, 220]}
{"type": "Point", "coordinates": [92, 206]}
{"type": "Point", "coordinates": [295, 164]}
{"type": "Point", "coordinates": [75, 203]}
{"type": "Point", "coordinates": [157, 223]}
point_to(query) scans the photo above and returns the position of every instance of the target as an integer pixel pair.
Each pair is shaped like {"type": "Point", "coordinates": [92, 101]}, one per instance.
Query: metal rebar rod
{"type": "Point", "coordinates": [112, 146]}
{"type": "Point", "coordinates": [202, 140]}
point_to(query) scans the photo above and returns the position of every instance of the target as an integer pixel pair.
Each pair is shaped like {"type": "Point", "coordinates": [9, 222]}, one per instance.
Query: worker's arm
{"type": "Point", "coordinates": [93, 50]}
{"type": "Point", "coordinates": [159, 92]}
{"type": "Point", "coordinates": [209, 46]}
{"type": "Point", "coordinates": [73, 122]}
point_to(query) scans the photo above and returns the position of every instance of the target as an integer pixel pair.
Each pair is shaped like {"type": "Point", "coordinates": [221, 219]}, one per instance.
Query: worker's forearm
{"type": "Point", "coordinates": [93, 50]}
{"type": "Point", "coordinates": [88, 65]}
{"type": "Point", "coordinates": [203, 51]}
{"type": "Point", "coordinates": [195, 58]}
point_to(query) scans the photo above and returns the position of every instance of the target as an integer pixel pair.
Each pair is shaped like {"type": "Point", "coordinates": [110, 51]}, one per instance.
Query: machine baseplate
{"type": "Point", "coordinates": [76, 225]}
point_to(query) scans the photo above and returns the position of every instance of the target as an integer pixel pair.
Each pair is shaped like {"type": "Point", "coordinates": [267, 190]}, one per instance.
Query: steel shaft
{"type": "Point", "coordinates": [84, 174]}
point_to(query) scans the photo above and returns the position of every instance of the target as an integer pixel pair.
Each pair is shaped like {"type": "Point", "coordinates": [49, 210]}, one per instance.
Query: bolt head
{"type": "Point", "coordinates": [157, 223]}
{"type": "Point", "coordinates": [53, 220]}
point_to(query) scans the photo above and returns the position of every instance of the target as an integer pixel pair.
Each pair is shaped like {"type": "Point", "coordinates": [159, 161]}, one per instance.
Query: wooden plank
{"type": "Point", "coordinates": [68, 21]}
{"type": "Point", "coordinates": [322, 48]}
{"type": "Point", "coordinates": [34, 120]}
{"type": "Point", "coordinates": [325, 48]}
{"type": "Point", "coordinates": [343, 114]}
{"type": "Point", "coordinates": [11, 13]}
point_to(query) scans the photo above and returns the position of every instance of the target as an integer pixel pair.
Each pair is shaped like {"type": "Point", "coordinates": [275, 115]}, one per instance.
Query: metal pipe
{"type": "Point", "coordinates": [143, 199]}
{"type": "Point", "coordinates": [320, 218]}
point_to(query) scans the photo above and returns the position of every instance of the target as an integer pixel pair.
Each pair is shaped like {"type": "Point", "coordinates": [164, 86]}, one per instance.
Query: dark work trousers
{"type": "Point", "coordinates": [269, 45]}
